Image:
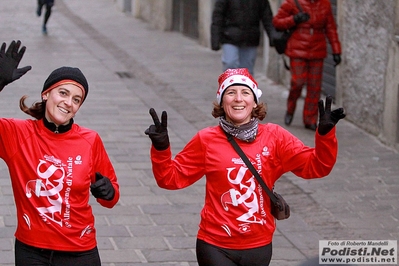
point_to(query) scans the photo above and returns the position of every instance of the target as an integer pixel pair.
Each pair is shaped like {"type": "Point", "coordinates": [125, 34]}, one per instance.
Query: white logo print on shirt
{"type": "Point", "coordinates": [265, 151]}
{"type": "Point", "coordinates": [245, 195]}
{"type": "Point", "coordinates": [48, 185]}
{"type": "Point", "coordinates": [45, 191]}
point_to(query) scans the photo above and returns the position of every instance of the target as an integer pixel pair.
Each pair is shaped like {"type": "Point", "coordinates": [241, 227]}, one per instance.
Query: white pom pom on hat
{"type": "Point", "coordinates": [237, 76]}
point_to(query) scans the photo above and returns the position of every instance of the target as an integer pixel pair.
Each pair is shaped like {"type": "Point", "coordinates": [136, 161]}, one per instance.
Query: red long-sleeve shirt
{"type": "Point", "coordinates": [236, 215]}
{"type": "Point", "coordinates": [51, 175]}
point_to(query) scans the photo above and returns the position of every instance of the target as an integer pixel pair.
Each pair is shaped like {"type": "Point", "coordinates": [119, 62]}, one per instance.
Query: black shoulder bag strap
{"type": "Point", "coordinates": [299, 6]}
{"type": "Point", "coordinates": [271, 195]}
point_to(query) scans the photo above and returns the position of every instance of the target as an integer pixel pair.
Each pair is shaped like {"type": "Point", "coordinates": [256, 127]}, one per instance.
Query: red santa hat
{"type": "Point", "coordinates": [237, 76]}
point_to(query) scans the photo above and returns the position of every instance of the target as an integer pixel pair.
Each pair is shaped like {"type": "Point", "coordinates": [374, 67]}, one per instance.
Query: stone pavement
{"type": "Point", "coordinates": [132, 67]}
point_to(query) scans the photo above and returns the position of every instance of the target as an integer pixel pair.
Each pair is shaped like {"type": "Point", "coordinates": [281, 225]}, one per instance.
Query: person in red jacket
{"type": "Point", "coordinates": [236, 225]}
{"type": "Point", "coordinates": [54, 164]}
{"type": "Point", "coordinates": [307, 48]}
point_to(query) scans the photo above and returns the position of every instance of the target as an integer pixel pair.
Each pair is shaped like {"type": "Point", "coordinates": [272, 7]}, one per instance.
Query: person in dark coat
{"type": "Point", "coordinates": [236, 29]}
{"type": "Point", "coordinates": [307, 48]}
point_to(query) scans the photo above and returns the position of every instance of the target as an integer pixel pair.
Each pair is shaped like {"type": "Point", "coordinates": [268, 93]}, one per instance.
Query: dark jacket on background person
{"type": "Point", "coordinates": [308, 41]}
{"type": "Point", "coordinates": [238, 22]}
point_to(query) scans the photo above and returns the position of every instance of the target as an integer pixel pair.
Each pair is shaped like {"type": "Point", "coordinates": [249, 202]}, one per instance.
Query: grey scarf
{"type": "Point", "coordinates": [246, 132]}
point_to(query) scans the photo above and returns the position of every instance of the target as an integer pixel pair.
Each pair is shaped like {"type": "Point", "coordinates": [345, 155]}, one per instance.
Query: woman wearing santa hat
{"type": "Point", "coordinates": [236, 225]}
{"type": "Point", "coordinates": [54, 164]}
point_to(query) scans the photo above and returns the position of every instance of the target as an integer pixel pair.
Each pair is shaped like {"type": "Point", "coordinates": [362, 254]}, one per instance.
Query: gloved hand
{"type": "Point", "coordinates": [102, 188]}
{"type": "Point", "coordinates": [9, 61]}
{"type": "Point", "coordinates": [337, 59]}
{"type": "Point", "coordinates": [158, 132]}
{"type": "Point", "coordinates": [301, 17]}
{"type": "Point", "coordinates": [327, 118]}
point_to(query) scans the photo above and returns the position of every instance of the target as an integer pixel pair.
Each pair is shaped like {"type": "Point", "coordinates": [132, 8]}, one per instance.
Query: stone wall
{"type": "Point", "coordinates": [366, 30]}
{"type": "Point", "coordinates": [158, 13]}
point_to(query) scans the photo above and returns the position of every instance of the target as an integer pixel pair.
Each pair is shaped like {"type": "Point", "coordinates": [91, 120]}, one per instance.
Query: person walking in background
{"type": "Point", "coordinates": [307, 48]}
{"type": "Point", "coordinates": [236, 225]}
{"type": "Point", "coordinates": [236, 28]}
{"type": "Point", "coordinates": [54, 164]}
{"type": "Point", "coordinates": [49, 4]}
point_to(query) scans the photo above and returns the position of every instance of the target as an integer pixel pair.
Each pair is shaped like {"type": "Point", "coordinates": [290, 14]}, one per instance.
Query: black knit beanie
{"type": "Point", "coordinates": [63, 73]}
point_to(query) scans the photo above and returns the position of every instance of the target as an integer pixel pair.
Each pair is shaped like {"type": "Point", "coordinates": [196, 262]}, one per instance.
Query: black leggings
{"type": "Point", "coordinates": [210, 255]}
{"type": "Point", "coordinates": [49, 4]}
{"type": "Point", "coordinates": [26, 255]}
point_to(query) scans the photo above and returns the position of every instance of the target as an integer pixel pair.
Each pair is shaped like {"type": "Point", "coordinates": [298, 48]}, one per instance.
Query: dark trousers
{"type": "Point", "coordinates": [210, 255]}
{"type": "Point", "coordinates": [49, 4]}
{"type": "Point", "coordinates": [307, 72]}
{"type": "Point", "coordinates": [26, 255]}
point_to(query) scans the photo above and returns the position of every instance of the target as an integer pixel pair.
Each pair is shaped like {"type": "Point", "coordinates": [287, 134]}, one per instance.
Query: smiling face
{"type": "Point", "coordinates": [62, 104]}
{"type": "Point", "coordinates": [238, 102]}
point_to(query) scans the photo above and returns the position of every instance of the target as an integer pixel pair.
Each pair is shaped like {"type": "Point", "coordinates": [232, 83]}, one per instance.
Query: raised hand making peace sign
{"type": "Point", "coordinates": [158, 132]}
{"type": "Point", "coordinates": [327, 118]}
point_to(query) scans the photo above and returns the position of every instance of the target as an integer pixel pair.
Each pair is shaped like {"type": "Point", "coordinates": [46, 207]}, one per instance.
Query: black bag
{"type": "Point", "coordinates": [279, 208]}
{"type": "Point", "coordinates": [280, 40]}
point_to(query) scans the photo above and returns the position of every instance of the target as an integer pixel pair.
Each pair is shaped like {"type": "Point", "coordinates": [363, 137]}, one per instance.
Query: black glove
{"type": "Point", "coordinates": [102, 188]}
{"type": "Point", "coordinates": [158, 132]}
{"type": "Point", "coordinates": [337, 59]}
{"type": "Point", "coordinates": [9, 61]}
{"type": "Point", "coordinates": [328, 119]}
{"type": "Point", "coordinates": [301, 17]}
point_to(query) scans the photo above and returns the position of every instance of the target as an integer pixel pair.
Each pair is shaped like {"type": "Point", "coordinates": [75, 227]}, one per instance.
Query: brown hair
{"type": "Point", "coordinates": [37, 109]}
{"type": "Point", "coordinates": [259, 111]}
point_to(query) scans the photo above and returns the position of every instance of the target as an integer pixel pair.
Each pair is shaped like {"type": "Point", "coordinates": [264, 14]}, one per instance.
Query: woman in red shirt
{"type": "Point", "coordinates": [236, 225]}
{"type": "Point", "coordinates": [54, 164]}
